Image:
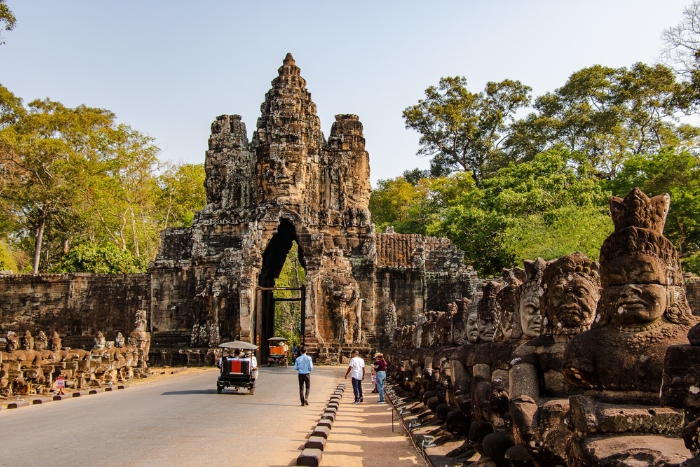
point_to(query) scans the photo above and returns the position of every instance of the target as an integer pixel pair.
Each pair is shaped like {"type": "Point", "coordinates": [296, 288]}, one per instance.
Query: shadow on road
{"type": "Point", "coordinates": [189, 391]}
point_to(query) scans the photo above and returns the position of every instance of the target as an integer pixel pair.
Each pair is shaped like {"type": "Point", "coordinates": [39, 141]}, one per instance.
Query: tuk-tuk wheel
{"type": "Point", "coordinates": [252, 391]}
{"type": "Point", "coordinates": [219, 388]}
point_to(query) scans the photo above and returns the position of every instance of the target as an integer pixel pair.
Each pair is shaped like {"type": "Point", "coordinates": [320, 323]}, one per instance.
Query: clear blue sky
{"type": "Point", "coordinates": [168, 68]}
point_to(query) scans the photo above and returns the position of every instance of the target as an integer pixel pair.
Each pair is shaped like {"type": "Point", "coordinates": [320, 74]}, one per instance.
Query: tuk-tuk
{"type": "Point", "coordinates": [237, 371]}
{"type": "Point", "coordinates": [278, 351]}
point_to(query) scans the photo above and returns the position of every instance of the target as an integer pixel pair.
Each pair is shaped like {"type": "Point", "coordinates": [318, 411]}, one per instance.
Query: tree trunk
{"type": "Point", "coordinates": [39, 238]}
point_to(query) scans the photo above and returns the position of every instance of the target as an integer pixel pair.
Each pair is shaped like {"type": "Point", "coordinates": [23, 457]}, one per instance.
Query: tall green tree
{"type": "Point", "coordinates": [543, 207]}
{"type": "Point", "coordinates": [182, 194]}
{"type": "Point", "coordinates": [463, 130]}
{"type": "Point", "coordinates": [676, 172]}
{"type": "Point", "coordinates": [604, 115]}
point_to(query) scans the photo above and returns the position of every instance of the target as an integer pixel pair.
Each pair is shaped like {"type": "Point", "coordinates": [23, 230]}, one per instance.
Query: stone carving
{"type": "Point", "coordinates": [487, 312]}
{"type": "Point", "coordinates": [55, 344]}
{"type": "Point", "coordinates": [27, 341]}
{"type": "Point", "coordinates": [12, 342]}
{"type": "Point", "coordinates": [507, 303]}
{"type": "Point", "coordinates": [100, 341]}
{"type": "Point", "coordinates": [529, 321]}
{"type": "Point", "coordinates": [41, 343]}
{"type": "Point", "coordinates": [140, 338]}
{"type": "Point", "coordinates": [119, 341]}
{"type": "Point", "coordinates": [643, 309]}
{"type": "Point", "coordinates": [538, 389]}
{"type": "Point", "coordinates": [473, 318]}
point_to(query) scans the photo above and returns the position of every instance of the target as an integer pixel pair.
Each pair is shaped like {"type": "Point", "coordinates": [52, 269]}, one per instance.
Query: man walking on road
{"type": "Point", "coordinates": [304, 366]}
{"type": "Point", "coordinates": [357, 367]}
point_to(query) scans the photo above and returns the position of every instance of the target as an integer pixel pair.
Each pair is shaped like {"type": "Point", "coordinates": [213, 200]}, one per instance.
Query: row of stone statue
{"type": "Point", "coordinates": [31, 365]}
{"type": "Point", "coordinates": [562, 363]}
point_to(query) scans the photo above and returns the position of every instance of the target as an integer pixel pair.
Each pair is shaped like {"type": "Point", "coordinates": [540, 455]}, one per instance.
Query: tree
{"type": "Point", "coordinates": [682, 49]}
{"type": "Point", "coordinates": [682, 42]}
{"type": "Point", "coordinates": [182, 193]}
{"type": "Point", "coordinates": [391, 201]}
{"type": "Point", "coordinates": [7, 19]}
{"type": "Point", "coordinates": [288, 314]}
{"type": "Point", "coordinates": [464, 130]}
{"type": "Point", "coordinates": [676, 172]}
{"type": "Point", "coordinates": [605, 115]}
{"type": "Point", "coordinates": [542, 207]}
{"type": "Point", "coordinates": [100, 259]}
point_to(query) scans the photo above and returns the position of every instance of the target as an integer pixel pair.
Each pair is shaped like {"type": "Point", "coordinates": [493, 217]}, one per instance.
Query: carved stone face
{"type": "Point", "coordinates": [635, 303]}
{"type": "Point", "coordinates": [572, 302]}
{"type": "Point", "coordinates": [530, 316]}
{"type": "Point", "coordinates": [634, 294]}
{"type": "Point", "coordinates": [472, 328]}
{"type": "Point", "coordinates": [486, 328]}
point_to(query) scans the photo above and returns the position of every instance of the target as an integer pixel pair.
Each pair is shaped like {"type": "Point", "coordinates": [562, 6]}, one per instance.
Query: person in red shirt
{"type": "Point", "coordinates": [380, 368]}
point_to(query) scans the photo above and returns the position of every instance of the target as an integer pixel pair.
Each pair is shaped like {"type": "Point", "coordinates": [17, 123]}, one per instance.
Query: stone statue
{"type": "Point", "coordinates": [119, 341]}
{"type": "Point", "coordinates": [140, 338]}
{"type": "Point", "coordinates": [100, 341]}
{"type": "Point", "coordinates": [472, 328]}
{"type": "Point", "coordinates": [507, 303]}
{"type": "Point", "coordinates": [529, 320]}
{"type": "Point", "coordinates": [41, 343]}
{"type": "Point", "coordinates": [55, 344]}
{"type": "Point", "coordinates": [358, 321]}
{"type": "Point", "coordinates": [643, 309]}
{"type": "Point", "coordinates": [537, 387]}
{"type": "Point", "coordinates": [27, 341]}
{"type": "Point", "coordinates": [12, 342]}
{"type": "Point", "coordinates": [487, 311]}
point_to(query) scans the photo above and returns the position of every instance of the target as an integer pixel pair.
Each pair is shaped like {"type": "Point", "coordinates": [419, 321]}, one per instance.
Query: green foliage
{"type": "Point", "coordinates": [73, 176]}
{"type": "Point", "coordinates": [288, 314]}
{"type": "Point", "coordinates": [605, 115]}
{"type": "Point", "coordinates": [672, 171]}
{"type": "Point", "coordinates": [463, 130]}
{"type": "Point", "coordinates": [182, 194]}
{"type": "Point", "coordinates": [100, 259]}
{"type": "Point", "coordinates": [545, 207]}
{"type": "Point", "coordinates": [7, 260]}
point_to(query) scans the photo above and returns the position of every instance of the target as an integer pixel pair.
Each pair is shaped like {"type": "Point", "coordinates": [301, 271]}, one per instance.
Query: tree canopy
{"type": "Point", "coordinates": [464, 130]}
{"type": "Point", "coordinates": [76, 185]}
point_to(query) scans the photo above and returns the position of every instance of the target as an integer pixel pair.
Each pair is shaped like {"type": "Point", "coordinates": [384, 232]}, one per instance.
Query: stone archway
{"type": "Point", "coordinates": [273, 259]}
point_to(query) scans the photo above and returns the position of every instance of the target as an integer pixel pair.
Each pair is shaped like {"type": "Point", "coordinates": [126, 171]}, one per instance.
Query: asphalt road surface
{"type": "Point", "coordinates": [179, 421]}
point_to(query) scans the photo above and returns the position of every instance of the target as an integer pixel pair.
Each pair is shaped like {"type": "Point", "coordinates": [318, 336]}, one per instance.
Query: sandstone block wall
{"type": "Point", "coordinates": [75, 305]}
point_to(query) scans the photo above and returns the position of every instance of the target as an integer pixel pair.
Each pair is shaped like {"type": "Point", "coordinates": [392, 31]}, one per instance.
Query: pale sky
{"type": "Point", "coordinates": [168, 68]}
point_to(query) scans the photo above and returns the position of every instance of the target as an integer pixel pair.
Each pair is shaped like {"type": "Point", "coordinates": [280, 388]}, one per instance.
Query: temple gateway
{"type": "Point", "coordinates": [214, 281]}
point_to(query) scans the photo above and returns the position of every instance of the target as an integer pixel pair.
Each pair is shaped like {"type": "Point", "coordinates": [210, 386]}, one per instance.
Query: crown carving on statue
{"type": "Point", "coordinates": [638, 210]}
{"type": "Point", "coordinates": [534, 270]}
{"type": "Point", "coordinates": [487, 304]}
{"type": "Point", "coordinates": [575, 263]}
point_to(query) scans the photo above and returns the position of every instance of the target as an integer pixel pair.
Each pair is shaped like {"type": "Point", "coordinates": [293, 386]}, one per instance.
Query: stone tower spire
{"type": "Point", "coordinates": [288, 140]}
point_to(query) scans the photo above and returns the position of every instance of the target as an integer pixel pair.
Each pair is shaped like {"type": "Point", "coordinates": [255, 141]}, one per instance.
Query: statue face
{"type": "Point", "coordinates": [635, 294]}
{"type": "Point", "coordinates": [530, 316]}
{"type": "Point", "coordinates": [487, 329]}
{"type": "Point", "coordinates": [472, 329]}
{"type": "Point", "coordinates": [572, 302]}
{"type": "Point", "coordinates": [635, 303]}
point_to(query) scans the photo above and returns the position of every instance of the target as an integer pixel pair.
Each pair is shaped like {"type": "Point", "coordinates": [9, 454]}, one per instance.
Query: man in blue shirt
{"type": "Point", "coordinates": [304, 366]}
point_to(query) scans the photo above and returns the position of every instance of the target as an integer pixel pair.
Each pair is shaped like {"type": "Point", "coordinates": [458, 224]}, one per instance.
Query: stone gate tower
{"type": "Point", "coordinates": [209, 282]}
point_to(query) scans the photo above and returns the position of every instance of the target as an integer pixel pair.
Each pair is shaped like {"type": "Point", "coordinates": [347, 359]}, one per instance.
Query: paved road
{"type": "Point", "coordinates": [179, 421]}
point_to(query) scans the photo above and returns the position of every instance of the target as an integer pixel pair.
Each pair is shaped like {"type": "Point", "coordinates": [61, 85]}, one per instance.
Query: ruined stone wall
{"type": "Point", "coordinates": [75, 305]}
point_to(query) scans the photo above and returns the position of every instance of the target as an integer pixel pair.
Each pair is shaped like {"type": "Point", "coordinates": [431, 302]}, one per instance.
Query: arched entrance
{"type": "Point", "coordinates": [273, 260]}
